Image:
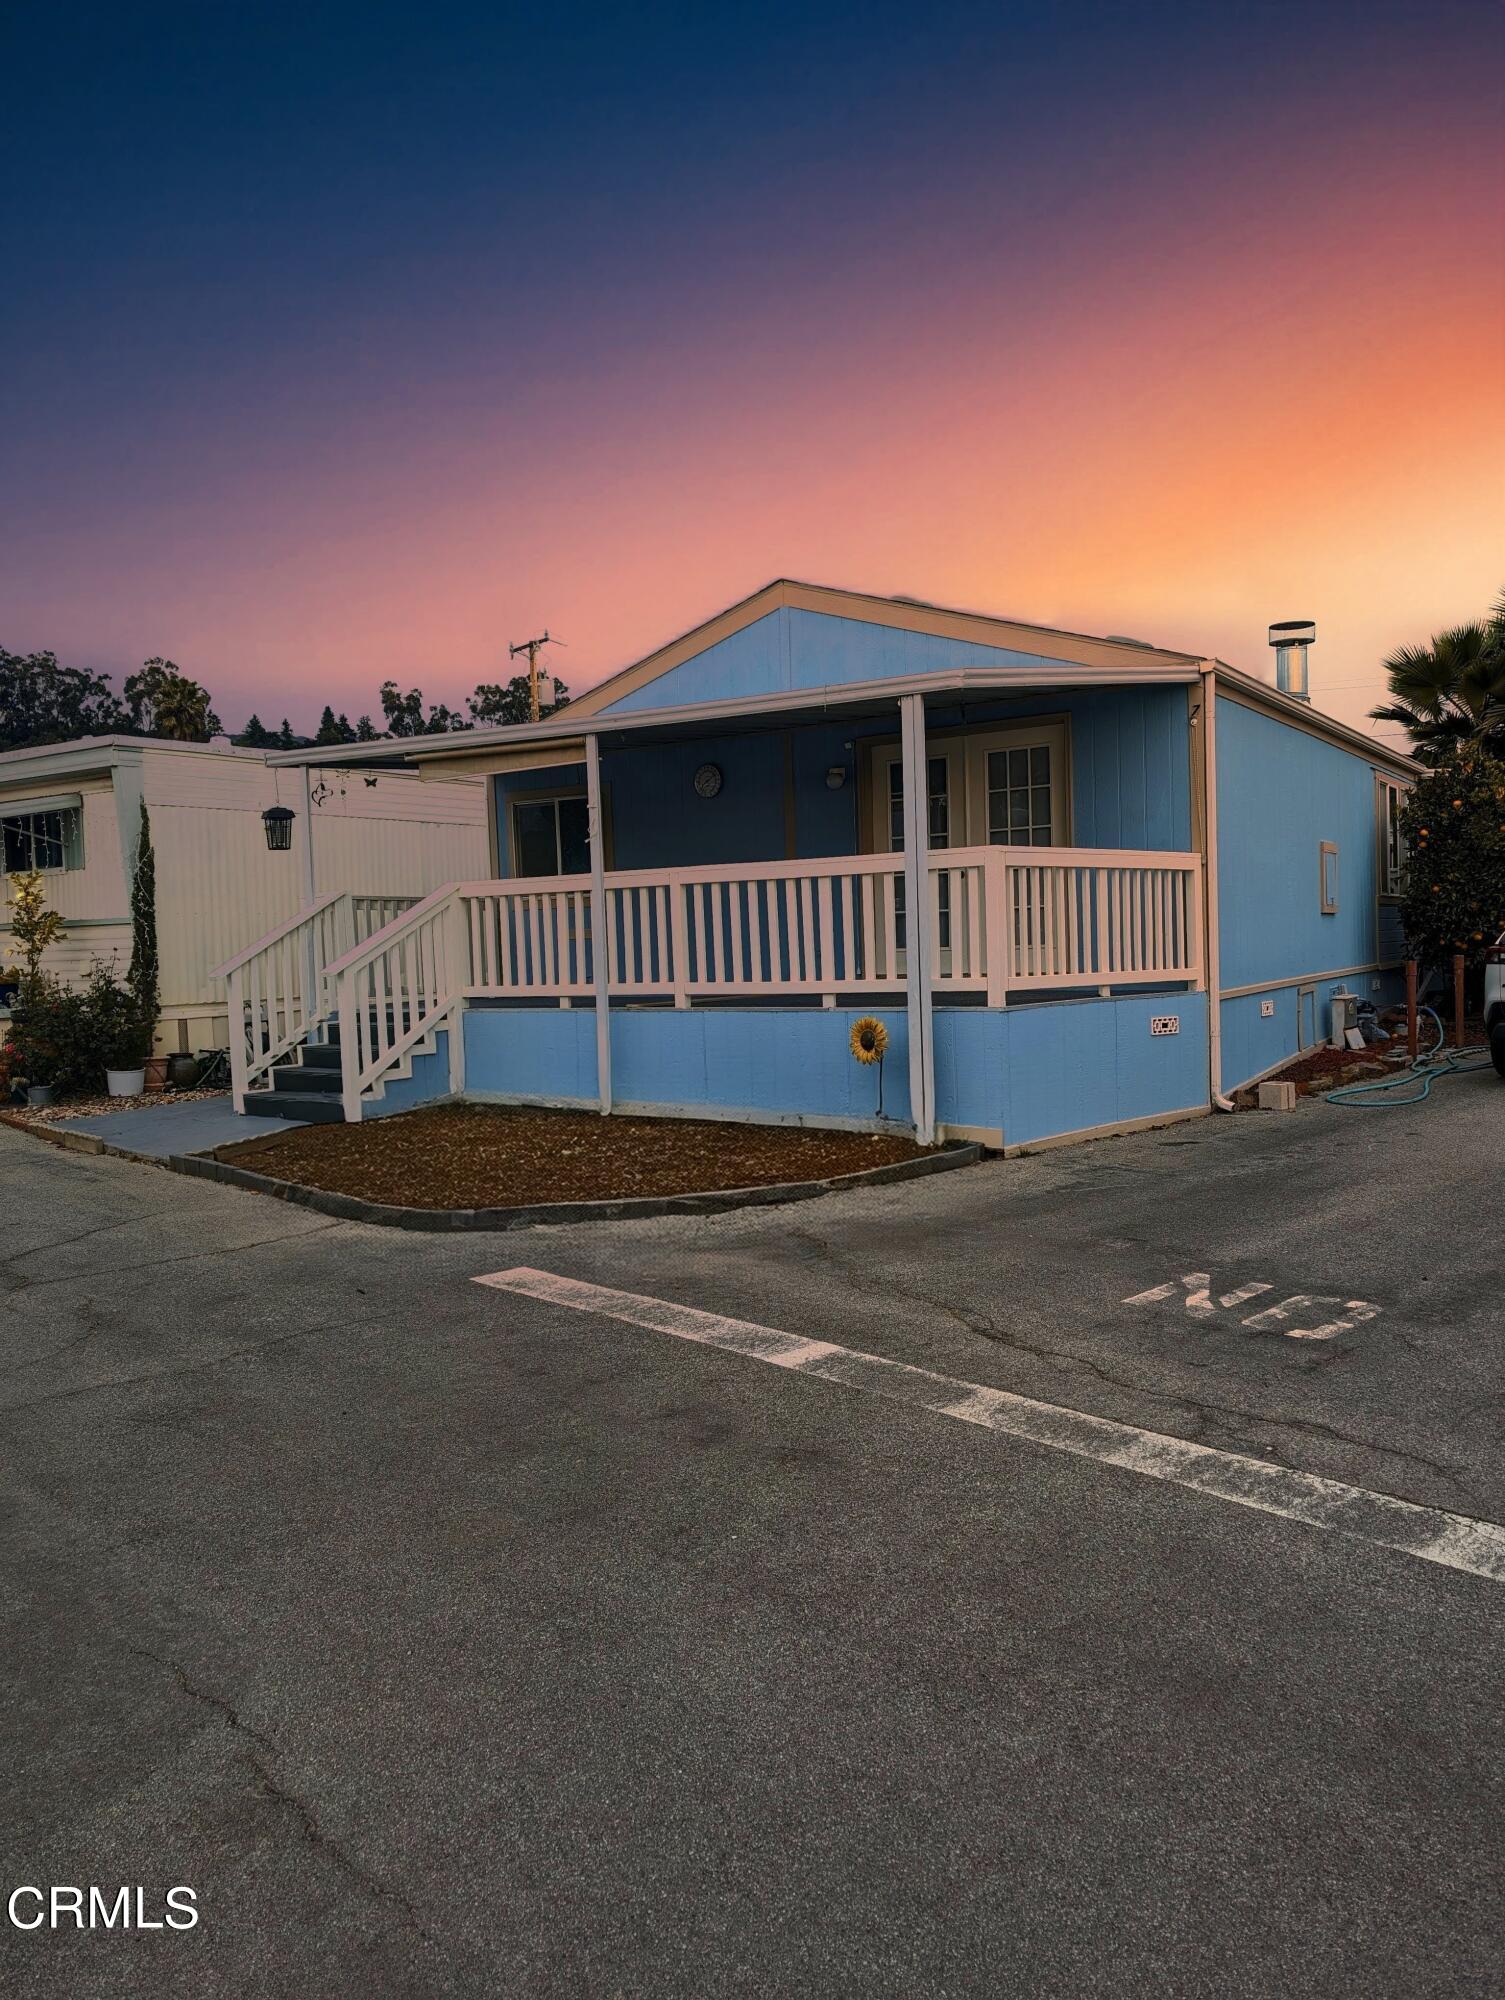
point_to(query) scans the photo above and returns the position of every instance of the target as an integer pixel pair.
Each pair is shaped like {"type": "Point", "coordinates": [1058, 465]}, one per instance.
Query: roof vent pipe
{"type": "Point", "coordinates": [1290, 638]}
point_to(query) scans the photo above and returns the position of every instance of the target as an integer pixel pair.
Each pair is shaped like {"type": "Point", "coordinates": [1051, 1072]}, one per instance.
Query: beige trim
{"type": "Point", "coordinates": [494, 762]}
{"type": "Point", "coordinates": [1274, 1070]}
{"type": "Point", "coordinates": [1329, 891]}
{"type": "Point", "coordinates": [491, 750]}
{"type": "Point", "coordinates": [1250, 693]}
{"type": "Point", "coordinates": [1310, 978]}
{"type": "Point", "coordinates": [977, 628]}
{"type": "Point", "coordinates": [1126, 1125]}
{"type": "Point", "coordinates": [990, 1136]}
{"type": "Point", "coordinates": [1196, 701]}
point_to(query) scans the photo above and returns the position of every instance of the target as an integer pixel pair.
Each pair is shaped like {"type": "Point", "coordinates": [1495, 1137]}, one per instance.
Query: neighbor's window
{"type": "Point", "coordinates": [49, 839]}
{"type": "Point", "coordinates": [550, 836]}
{"type": "Point", "coordinates": [1019, 797]}
{"type": "Point", "coordinates": [1392, 840]}
{"type": "Point", "coordinates": [1329, 859]}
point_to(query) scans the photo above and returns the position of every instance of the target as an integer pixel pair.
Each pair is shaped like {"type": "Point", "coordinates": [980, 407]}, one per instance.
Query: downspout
{"type": "Point", "coordinates": [1212, 954]}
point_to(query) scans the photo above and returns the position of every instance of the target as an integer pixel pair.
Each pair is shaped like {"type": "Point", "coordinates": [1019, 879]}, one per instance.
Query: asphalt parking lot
{"type": "Point", "coordinates": [447, 1639]}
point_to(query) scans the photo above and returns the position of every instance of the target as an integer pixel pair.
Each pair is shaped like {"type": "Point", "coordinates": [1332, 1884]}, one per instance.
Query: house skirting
{"type": "Point", "coordinates": [1008, 1076]}
{"type": "Point", "coordinates": [1256, 1043]}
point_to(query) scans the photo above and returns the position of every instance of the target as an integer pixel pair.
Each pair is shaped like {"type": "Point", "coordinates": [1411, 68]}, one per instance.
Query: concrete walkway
{"type": "Point", "coordinates": [163, 1130]}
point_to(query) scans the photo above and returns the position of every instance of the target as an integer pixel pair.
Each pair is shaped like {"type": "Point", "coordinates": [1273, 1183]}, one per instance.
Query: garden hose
{"type": "Point", "coordinates": [1421, 1074]}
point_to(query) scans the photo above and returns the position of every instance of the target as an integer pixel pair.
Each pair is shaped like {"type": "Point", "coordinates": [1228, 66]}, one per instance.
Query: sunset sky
{"type": "Point", "coordinates": [346, 342]}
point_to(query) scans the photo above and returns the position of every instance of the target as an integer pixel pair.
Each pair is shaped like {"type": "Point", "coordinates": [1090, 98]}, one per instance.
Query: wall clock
{"type": "Point", "coordinates": [708, 780]}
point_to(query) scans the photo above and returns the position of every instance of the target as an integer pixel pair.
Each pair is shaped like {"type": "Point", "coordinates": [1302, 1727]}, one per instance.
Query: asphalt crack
{"type": "Point", "coordinates": [185, 1257]}
{"type": "Point", "coordinates": [254, 1750]}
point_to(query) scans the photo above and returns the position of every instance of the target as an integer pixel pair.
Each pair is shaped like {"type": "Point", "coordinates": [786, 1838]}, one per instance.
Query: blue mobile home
{"type": "Point", "coordinates": [1086, 884]}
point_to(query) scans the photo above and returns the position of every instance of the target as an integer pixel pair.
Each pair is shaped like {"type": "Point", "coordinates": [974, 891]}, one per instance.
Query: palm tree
{"type": "Point", "coordinates": [1451, 692]}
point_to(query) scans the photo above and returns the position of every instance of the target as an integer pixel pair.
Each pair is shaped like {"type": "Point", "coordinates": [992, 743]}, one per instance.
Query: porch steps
{"type": "Point", "coordinates": [309, 1090]}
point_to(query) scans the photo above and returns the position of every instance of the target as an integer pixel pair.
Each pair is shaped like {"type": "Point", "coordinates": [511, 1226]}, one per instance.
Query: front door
{"type": "Point", "coordinates": [943, 811]}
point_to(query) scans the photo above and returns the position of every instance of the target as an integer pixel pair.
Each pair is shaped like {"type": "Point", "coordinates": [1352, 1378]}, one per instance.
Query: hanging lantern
{"type": "Point", "coordinates": [278, 821]}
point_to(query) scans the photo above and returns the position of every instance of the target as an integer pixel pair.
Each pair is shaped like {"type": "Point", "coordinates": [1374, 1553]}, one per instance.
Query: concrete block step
{"type": "Point", "coordinates": [306, 1076]}
{"type": "Point", "coordinates": [317, 1107]}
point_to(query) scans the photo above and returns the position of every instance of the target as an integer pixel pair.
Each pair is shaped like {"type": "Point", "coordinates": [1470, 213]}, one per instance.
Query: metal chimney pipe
{"type": "Point", "coordinates": [1291, 638]}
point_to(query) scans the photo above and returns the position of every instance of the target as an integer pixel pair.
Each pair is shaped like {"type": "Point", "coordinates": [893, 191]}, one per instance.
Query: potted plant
{"type": "Point", "coordinates": [120, 1036]}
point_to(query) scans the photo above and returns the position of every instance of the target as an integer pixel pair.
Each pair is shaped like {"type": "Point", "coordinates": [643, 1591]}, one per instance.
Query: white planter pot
{"type": "Point", "coordinates": [125, 1082]}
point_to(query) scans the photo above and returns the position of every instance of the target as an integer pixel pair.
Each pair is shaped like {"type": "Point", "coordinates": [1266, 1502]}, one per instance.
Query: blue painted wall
{"type": "Point", "coordinates": [430, 1079]}
{"type": "Point", "coordinates": [1074, 1064]}
{"type": "Point", "coordinates": [1281, 792]}
{"type": "Point", "coordinates": [1032, 1072]}
{"type": "Point", "coordinates": [789, 649]}
{"type": "Point", "coordinates": [1130, 781]}
{"type": "Point", "coordinates": [1254, 1042]}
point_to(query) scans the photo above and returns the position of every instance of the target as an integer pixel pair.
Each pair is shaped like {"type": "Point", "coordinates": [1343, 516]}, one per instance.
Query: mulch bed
{"type": "Point", "coordinates": [465, 1156]}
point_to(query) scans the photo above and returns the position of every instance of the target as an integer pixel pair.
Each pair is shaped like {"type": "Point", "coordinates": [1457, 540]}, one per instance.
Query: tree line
{"type": "Point", "coordinates": [43, 701]}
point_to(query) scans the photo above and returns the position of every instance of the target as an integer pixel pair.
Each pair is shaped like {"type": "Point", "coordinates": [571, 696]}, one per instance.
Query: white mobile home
{"type": "Point", "coordinates": [73, 810]}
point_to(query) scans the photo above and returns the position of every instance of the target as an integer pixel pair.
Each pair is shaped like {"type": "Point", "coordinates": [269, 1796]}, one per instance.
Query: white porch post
{"type": "Point", "coordinates": [917, 936]}
{"type": "Point", "coordinates": [600, 921]}
{"type": "Point", "coordinates": [310, 895]}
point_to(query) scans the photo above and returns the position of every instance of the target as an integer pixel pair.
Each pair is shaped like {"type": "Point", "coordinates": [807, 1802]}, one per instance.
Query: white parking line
{"type": "Point", "coordinates": [1454, 1540]}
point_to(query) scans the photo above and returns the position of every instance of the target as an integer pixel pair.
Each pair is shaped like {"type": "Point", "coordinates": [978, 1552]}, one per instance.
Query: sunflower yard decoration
{"type": "Point", "coordinates": [869, 1044]}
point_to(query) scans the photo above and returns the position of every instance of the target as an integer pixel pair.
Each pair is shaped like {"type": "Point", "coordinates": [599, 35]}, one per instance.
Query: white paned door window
{"type": "Point", "coordinates": [943, 772]}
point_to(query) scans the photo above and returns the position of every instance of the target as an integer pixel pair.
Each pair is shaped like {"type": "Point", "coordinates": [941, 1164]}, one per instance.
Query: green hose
{"type": "Point", "coordinates": [1424, 1072]}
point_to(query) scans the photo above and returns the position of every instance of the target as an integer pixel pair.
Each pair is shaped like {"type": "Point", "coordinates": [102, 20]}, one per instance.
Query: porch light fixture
{"type": "Point", "coordinates": [278, 821]}
{"type": "Point", "coordinates": [836, 777]}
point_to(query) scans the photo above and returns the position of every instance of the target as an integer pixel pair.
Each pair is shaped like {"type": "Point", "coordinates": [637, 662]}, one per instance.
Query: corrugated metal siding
{"type": "Point", "coordinates": [98, 888]}
{"type": "Point", "coordinates": [219, 888]}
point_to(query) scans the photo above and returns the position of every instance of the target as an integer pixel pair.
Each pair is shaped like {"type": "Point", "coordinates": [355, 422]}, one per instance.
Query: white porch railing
{"type": "Point", "coordinates": [278, 987]}
{"type": "Point", "coordinates": [1003, 920]}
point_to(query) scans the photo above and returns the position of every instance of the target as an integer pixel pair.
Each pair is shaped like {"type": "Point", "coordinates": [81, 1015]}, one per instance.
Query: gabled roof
{"type": "Point", "coordinates": [1052, 658]}
{"type": "Point", "coordinates": [905, 614]}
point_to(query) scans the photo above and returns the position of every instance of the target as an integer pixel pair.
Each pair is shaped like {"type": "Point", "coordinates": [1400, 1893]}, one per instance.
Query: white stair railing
{"type": "Point", "coordinates": [1002, 920]}
{"type": "Point", "coordinates": [396, 988]}
{"type": "Point", "coordinates": [278, 992]}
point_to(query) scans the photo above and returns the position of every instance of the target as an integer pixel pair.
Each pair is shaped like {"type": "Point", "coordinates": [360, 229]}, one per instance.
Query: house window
{"type": "Point", "coordinates": [937, 806]}
{"type": "Point", "coordinates": [46, 838]}
{"type": "Point", "coordinates": [1389, 799]}
{"type": "Point", "coordinates": [551, 836]}
{"type": "Point", "coordinates": [1329, 864]}
{"type": "Point", "coordinates": [1020, 797]}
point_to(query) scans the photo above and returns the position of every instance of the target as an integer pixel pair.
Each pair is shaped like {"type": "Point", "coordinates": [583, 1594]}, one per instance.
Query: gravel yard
{"type": "Point", "coordinates": [489, 1156]}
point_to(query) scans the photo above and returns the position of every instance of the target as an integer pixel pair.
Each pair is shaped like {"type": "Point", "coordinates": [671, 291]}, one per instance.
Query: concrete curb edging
{"type": "Point", "coordinates": [351, 1208]}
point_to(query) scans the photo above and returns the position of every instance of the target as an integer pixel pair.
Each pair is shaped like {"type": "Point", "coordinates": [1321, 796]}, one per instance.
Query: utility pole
{"type": "Point", "coordinates": [531, 648]}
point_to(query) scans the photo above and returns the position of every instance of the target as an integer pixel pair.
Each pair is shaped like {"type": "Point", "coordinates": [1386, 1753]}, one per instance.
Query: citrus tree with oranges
{"type": "Point", "coordinates": [1454, 825]}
